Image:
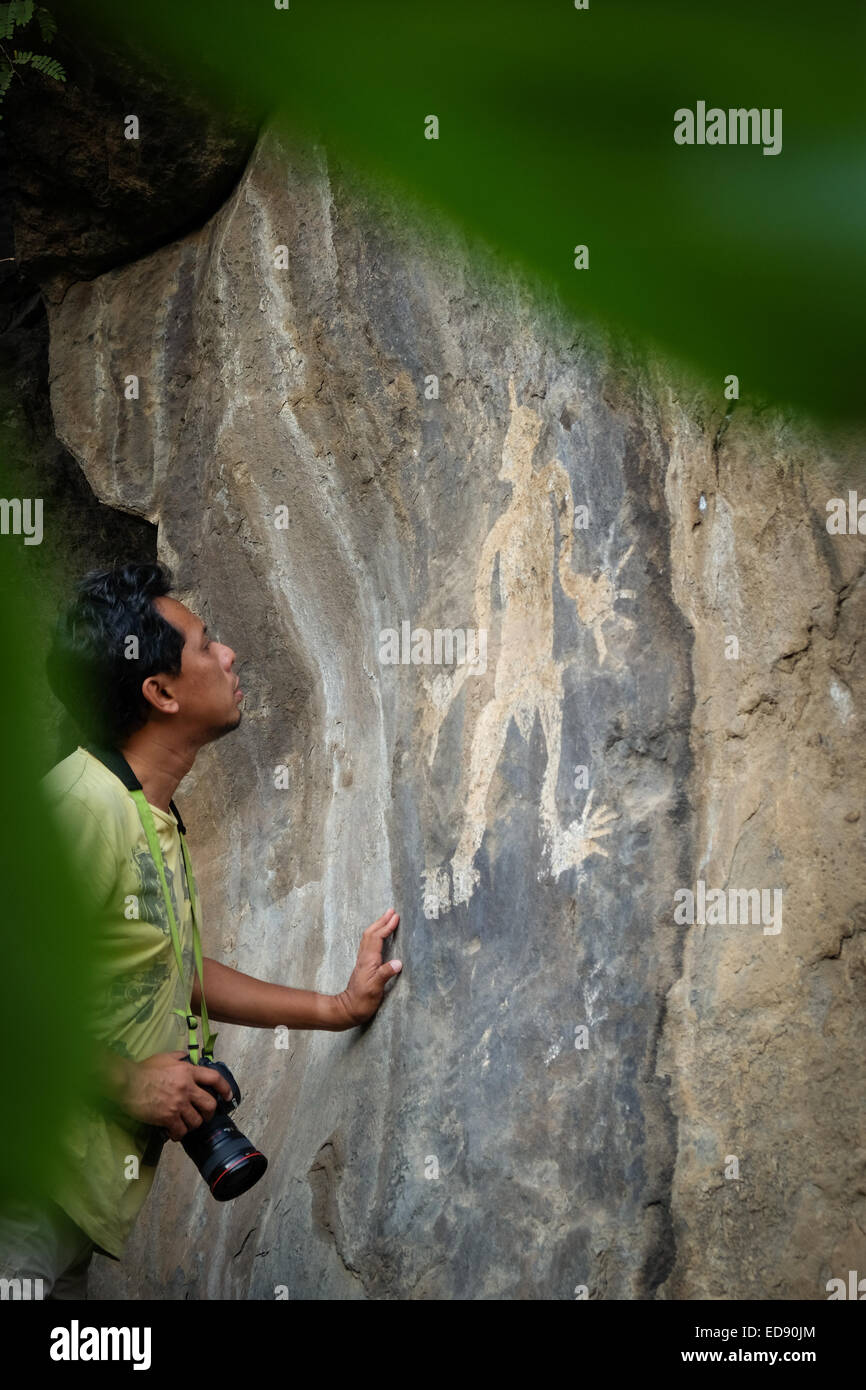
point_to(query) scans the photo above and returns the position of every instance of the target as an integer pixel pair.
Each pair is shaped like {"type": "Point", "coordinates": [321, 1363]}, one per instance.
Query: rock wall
{"type": "Point", "coordinates": [763, 1025]}
{"type": "Point", "coordinates": [550, 1098]}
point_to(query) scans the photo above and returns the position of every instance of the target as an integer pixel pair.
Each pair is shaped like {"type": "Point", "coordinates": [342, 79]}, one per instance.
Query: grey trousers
{"type": "Point", "coordinates": [43, 1254]}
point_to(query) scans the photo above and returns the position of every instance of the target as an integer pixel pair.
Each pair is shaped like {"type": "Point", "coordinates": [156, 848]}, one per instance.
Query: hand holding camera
{"type": "Point", "coordinates": [192, 1103]}
{"type": "Point", "coordinates": [164, 1090]}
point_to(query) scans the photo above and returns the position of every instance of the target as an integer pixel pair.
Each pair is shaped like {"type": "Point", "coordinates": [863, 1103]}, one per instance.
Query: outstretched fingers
{"type": "Point", "coordinates": [383, 926]}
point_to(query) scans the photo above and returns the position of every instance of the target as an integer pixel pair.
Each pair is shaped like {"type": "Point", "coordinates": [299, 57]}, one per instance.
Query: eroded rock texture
{"type": "Point", "coordinates": [550, 1095]}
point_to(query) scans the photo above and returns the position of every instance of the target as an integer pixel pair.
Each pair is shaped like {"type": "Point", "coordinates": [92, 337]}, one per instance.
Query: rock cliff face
{"type": "Point", "coordinates": [353, 436]}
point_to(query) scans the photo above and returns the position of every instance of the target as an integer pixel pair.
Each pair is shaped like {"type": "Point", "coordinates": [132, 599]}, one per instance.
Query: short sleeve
{"type": "Point", "coordinates": [87, 842]}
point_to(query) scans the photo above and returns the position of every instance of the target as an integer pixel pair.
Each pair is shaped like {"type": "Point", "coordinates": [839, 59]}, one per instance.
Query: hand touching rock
{"type": "Point", "coordinates": [366, 988]}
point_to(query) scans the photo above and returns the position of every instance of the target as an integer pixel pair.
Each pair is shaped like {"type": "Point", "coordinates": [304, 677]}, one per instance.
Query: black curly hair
{"type": "Point", "coordinates": [93, 668]}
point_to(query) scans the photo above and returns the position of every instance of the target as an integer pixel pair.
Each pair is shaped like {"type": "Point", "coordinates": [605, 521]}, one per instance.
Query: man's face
{"type": "Point", "coordinates": [206, 691]}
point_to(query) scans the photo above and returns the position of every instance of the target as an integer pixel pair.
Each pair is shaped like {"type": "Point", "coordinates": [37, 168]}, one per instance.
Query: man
{"type": "Point", "coordinates": [142, 677]}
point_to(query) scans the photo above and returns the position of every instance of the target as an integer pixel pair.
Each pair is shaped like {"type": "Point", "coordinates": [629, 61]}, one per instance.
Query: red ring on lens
{"type": "Point", "coordinates": [238, 1161]}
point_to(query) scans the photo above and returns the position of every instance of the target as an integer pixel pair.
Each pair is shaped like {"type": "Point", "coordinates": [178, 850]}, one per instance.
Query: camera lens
{"type": "Point", "coordinates": [226, 1159]}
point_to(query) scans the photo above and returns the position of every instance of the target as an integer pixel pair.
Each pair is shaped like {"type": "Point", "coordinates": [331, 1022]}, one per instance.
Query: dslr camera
{"type": "Point", "coordinates": [229, 1163]}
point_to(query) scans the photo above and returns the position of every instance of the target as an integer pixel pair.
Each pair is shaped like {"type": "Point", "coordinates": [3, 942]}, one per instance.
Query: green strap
{"type": "Point", "coordinates": [210, 1038]}
{"type": "Point", "coordinates": [147, 821]}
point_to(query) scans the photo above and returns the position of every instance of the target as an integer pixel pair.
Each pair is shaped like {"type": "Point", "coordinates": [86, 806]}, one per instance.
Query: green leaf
{"type": "Point", "coordinates": [49, 66]}
{"type": "Point", "coordinates": [22, 12]}
{"type": "Point", "coordinates": [49, 955]}
{"type": "Point", "coordinates": [42, 63]}
{"type": "Point", "coordinates": [47, 24]}
{"type": "Point", "coordinates": [15, 15]}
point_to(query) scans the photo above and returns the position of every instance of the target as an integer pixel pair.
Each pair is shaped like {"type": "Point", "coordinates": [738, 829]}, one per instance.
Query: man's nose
{"type": "Point", "coordinates": [230, 658]}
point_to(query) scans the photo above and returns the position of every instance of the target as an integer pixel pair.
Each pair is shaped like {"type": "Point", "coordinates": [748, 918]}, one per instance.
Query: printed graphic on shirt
{"type": "Point", "coordinates": [130, 997]}
{"type": "Point", "coordinates": [151, 900]}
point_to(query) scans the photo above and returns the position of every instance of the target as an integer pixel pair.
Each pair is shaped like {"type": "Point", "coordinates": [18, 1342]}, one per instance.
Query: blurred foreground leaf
{"type": "Point", "coordinates": [556, 129]}
{"type": "Point", "coordinates": [46, 957]}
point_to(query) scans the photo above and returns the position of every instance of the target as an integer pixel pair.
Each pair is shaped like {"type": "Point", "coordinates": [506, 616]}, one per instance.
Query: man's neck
{"type": "Point", "coordinates": [159, 762]}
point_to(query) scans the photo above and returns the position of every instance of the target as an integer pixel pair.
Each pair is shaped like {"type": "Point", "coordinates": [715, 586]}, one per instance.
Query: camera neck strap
{"type": "Point", "coordinates": [117, 764]}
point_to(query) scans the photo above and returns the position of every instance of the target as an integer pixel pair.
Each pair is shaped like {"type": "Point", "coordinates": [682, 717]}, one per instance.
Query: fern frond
{"type": "Point", "coordinates": [42, 63]}
{"type": "Point", "coordinates": [47, 23]}
{"type": "Point", "coordinates": [55, 70]}
{"type": "Point", "coordinates": [49, 66]}
{"type": "Point", "coordinates": [17, 14]}
{"type": "Point", "coordinates": [14, 16]}
{"type": "Point", "coordinates": [23, 10]}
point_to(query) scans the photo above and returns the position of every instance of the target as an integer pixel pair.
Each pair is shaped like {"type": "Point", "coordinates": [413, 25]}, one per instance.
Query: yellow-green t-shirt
{"type": "Point", "coordinates": [138, 984]}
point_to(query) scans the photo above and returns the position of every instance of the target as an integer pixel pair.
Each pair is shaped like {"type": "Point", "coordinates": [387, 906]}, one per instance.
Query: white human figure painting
{"type": "Point", "coordinates": [527, 679]}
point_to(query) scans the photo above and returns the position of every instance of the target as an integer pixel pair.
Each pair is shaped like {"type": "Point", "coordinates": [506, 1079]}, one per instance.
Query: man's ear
{"type": "Point", "coordinates": [158, 694]}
